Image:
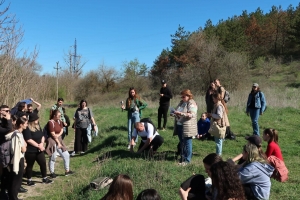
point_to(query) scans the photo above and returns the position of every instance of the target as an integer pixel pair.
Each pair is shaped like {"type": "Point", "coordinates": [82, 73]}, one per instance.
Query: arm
{"type": "Point", "coordinates": [245, 175]}
{"type": "Point", "coordinates": [269, 151]}
{"type": "Point", "coordinates": [147, 143]}
{"type": "Point", "coordinates": [33, 143]}
{"type": "Point", "coordinates": [52, 132]}
{"type": "Point", "coordinates": [142, 105]}
{"type": "Point", "coordinates": [37, 104]}
{"type": "Point", "coordinates": [263, 103]}
{"type": "Point", "coordinates": [184, 194]}
{"type": "Point", "coordinates": [248, 103]}
{"type": "Point", "coordinates": [168, 94]}
{"type": "Point", "coordinates": [218, 114]}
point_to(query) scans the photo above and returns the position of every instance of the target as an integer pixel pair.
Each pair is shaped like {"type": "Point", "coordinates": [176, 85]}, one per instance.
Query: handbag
{"type": "Point", "coordinates": [217, 131]}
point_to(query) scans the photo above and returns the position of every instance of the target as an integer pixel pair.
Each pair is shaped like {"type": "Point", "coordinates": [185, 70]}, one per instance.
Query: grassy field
{"type": "Point", "coordinates": [108, 156]}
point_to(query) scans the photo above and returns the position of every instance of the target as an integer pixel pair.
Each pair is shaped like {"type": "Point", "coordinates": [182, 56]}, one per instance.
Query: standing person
{"type": "Point", "coordinates": [186, 125]}
{"type": "Point", "coordinates": [30, 107]}
{"type": "Point", "coordinates": [55, 144]}
{"type": "Point", "coordinates": [256, 105]}
{"type": "Point", "coordinates": [164, 104]}
{"type": "Point", "coordinates": [134, 106]}
{"type": "Point", "coordinates": [219, 115]}
{"type": "Point", "coordinates": [255, 174]}
{"type": "Point", "coordinates": [208, 97]}
{"type": "Point", "coordinates": [68, 122]}
{"type": "Point", "coordinates": [18, 148]}
{"type": "Point", "coordinates": [219, 88]}
{"type": "Point", "coordinates": [58, 106]}
{"type": "Point", "coordinates": [22, 110]}
{"type": "Point", "coordinates": [83, 119]}
{"type": "Point", "coordinates": [271, 137]}
{"type": "Point", "coordinates": [121, 188]}
{"type": "Point", "coordinates": [35, 139]}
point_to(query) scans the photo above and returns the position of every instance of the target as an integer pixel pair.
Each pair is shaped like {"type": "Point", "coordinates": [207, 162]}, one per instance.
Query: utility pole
{"type": "Point", "coordinates": [57, 68]}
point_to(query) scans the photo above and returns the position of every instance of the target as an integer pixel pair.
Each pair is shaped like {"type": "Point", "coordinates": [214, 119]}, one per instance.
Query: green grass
{"type": "Point", "coordinates": [108, 155]}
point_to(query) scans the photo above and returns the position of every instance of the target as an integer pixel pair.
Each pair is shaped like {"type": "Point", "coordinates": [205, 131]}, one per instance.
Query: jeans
{"type": "Point", "coordinates": [254, 114]}
{"type": "Point", "coordinates": [135, 117]}
{"type": "Point", "coordinates": [185, 145]}
{"type": "Point", "coordinates": [219, 144]}
{"type": "Point", "coordinates": [65, 155]}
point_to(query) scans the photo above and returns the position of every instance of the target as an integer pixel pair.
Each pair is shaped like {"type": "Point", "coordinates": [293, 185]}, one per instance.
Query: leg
{"type": "Point", "coordinates": [180, 135]}
{"type": "Point", "coordinates": [159, 115]}
{"type": "Point", "coordinates": [78, 136]}
{"type": "Point", "coordinates": [219, 143]}
{"type": "Point", "coordinates": [84, 139]}
{"type": "Point", "coordinates": [156, 142]}
{"type": "Point", "coordinates": [165, 115]}
{"type": "Point", "coordinates": [254, 114]}
{"type": "Point", "coordinates": [188, 148]}
{"type": "Point", "coordinates": [135, 118]}
{"type": "Point", "coordinates": [16, 181]}
{"type": "Point", "coordinates": [52, 160]}
{"type": "Point", "coordinates": [30, 159]}
{"type": "Point", "coordinates": [129, 127]}
{"type": "Point", "coordinates": [66, 157]}
{"type": "Point", "coordinates": [41, 160]}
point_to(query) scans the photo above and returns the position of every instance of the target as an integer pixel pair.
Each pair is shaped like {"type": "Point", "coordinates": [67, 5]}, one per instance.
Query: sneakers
{"type": "Point", "coordinates": [69, 173]}
{"type": "Point", "coordinates": [182, 163]}
{"type": "Point", "coordinates": [47, 181]}
{"type": "Point", "coordinates": [73, 153]}
{"type": "Point", "coordinates": [30, 183]}
{"type": "Point", "coordinates": [53, 175]}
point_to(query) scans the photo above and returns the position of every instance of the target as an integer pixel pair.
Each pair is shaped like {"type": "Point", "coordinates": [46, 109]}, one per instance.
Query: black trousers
{"type": "Point", "coordinates": [39, 157]}
{"type": "Point", "coordinates": [155, 143]}
{"type": "Point", "coordinates": [162, 112]}
{"type": "Point", "coordinates": [81, 140]}
{"type": "Point", "coordinates": [197, 185]}
{"type": "Point", "coordinates": [15, 181]}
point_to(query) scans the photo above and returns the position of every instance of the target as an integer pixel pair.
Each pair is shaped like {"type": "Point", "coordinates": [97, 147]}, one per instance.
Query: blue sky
{"type": "Point", "coordinates": [115, 31]}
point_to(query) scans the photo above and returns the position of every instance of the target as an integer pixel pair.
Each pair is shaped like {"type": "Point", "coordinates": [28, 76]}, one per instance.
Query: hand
{"type": "Point", "coordinates": [184, 194]}
{"type": "Point", "coordinates": [123, 107]}
{"type": "Point", "coordinates": [59, 146]}
{"type": "Point", "coordinates": [31, 99]}
{"type": "Point", "coordinates": [65, 124]}
{"type": "Point", "coordinates": [161, 95]}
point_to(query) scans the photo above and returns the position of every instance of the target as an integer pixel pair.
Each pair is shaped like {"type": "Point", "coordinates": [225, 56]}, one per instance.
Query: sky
{"type": "Point", "coordinates": [112, 32]}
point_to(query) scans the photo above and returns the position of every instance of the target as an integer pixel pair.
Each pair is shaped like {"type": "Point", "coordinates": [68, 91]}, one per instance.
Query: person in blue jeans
{"type": "Point", "coordinates": [134, 107]}
{"type": "Point", "coordinates": [256, 105]}
{"type": "Point", "coordinates": [185, 125]}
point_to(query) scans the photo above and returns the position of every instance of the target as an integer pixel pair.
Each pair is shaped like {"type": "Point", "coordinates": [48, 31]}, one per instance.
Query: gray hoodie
{"type": "Point", "coordinates": [258, 176]}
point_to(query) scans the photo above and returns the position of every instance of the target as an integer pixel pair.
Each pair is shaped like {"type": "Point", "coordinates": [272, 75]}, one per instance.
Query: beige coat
{"type": "Point", "coordinates": [223, 121]}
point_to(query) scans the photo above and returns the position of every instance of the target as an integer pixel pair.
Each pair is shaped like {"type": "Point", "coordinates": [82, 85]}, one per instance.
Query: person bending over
{"type": "Point", "coordinates": [151, 140]}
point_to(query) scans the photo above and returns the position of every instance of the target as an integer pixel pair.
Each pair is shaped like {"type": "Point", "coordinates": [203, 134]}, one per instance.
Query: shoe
{"type": "Point", "coordinates": [47, 181]}
{"type": "Point", "coordinates": [182, 163]}
{"type": "Point", "coordinates": [53, 175]}
{"type": "Point", "coordinates": [73, 153]}
{"type": "Point", "coordinates": [30, 183]}
{"type": "Point", "coordinates": [193, 137]}
{"type": "Point", "coordinates": [82, 152]}
{"type": "Point", "coordinates": [22, 190]}
{"type": "Point", "coordinates": [69, 173]}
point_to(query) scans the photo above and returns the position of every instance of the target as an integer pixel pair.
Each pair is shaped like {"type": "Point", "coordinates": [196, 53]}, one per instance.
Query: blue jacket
{"type": "Point", "coordinates": [260, 101]}
{"type": "Point", "coordinates": [258, 176]}
{"type": "Point", "coordinates": [203, 126]}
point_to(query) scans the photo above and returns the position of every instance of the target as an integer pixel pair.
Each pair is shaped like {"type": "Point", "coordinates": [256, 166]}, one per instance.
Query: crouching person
{"type": "Point", "coordinates": [151, 140]}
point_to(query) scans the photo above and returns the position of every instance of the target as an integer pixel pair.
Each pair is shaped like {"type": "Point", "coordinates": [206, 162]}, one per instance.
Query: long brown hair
{"type": "Point", "coordinates": [120, 189]}
{"type": "Point", "coordinates": [273, 134]}
{"type": "Point", "coordinates": [33, 127]}
{"type": "Point", "coordinates": [218, 97]}
{"type": "Point", "coordinates": [226, 181]}
{"type": "Point", "coordinates": [130, 98]}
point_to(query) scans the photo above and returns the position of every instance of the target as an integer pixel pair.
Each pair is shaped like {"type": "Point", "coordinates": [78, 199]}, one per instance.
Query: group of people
{"type": "Point", "coordinates": [27, 142]}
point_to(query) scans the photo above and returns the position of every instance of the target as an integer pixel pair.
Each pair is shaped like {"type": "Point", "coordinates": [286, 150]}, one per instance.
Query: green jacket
{"type": "Point", "coordinates": [140, 104]}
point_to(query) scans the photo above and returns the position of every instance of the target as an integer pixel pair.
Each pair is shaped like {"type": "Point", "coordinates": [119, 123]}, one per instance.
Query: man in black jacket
{"type": "Point", "coordinates": [164, 104]}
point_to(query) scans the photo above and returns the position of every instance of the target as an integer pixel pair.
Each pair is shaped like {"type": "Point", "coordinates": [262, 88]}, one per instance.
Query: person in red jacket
{"type": "Point", "coordinates": [271, 136]}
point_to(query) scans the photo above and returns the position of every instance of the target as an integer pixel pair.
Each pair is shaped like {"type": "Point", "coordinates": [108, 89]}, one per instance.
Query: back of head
{"type": "Point", "coordinates": [254, 154]}
{"type": "Point", "coordinates": [148, 194]}
{"type": "Point", "coordinates": [212, 158]}
{"type": "Point", "coordinates": [120, 188]}
{"type": "Point", "coordinates": [273, 134]}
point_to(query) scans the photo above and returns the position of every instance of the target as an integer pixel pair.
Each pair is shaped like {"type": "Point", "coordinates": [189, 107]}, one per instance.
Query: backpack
{"type": "Point", "coordinates": [5, 152]}
{"type": "Point", "coordinates": [226, 96]}
{"type": "Point", "coordinates": [280, 172]}
{"type": "Point", "coordinates": [46, 132]}
{"type": "Point", "coordinates": [146, 121]}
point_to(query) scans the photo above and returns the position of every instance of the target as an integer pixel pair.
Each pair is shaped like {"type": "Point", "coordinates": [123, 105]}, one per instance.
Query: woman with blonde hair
{"type": "Point", "coordinates": [120, 188]}
{"type": "Point", "coordinates": [255, 174]}
{"type": "Point", "coordinates": [219, 115]}
{"type": "Point", "coordinates": [185, 125]}
{"type": "Point", "coordinates": [35, 139]}
{"type": "Point", "coordinates": [134, 106]}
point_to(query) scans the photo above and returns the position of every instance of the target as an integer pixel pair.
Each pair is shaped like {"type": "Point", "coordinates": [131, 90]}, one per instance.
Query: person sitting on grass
{"type": "Point", "coordinates": [203, 127]}
{"type": "Point", "coordinates": [255, 173]}
{"type": "Point", "coordinates": [151, 140]}
{"type": "Point", "coordinates": [120, 188]}
{"type": "Point", "coordinates": [148, 194]}
{"type": "Point", "coordinates": [195, 187]}
{"type": "Point", "coordinates": [271, 136]}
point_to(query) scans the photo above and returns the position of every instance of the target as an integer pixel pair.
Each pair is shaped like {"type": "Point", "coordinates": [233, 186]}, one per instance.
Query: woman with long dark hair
{"type": "Point", "coordinates": [256, 106]}
{"type": "Point", "coordinates": [18, 148]}
{"type": "Point", "coordinates": [208, 97]}
{"type": "Point", "coordinates": [120, 188]}
{"type": "Point", "coordinates": [55, 144]}
{"type": "Point", "coordinates": [35, 139]}
{"type": "Point", "coordinates": [84, 120]}
{"type": "Point", "coordinates": [134, 106]}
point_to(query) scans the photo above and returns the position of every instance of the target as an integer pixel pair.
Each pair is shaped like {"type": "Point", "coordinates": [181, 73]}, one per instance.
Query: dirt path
{"type": "Point", "coordinates": [39, 188]}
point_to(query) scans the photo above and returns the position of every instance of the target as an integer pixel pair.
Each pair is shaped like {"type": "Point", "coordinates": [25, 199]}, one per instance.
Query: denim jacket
{"type": "Point", "coordinates": [260, 101]}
